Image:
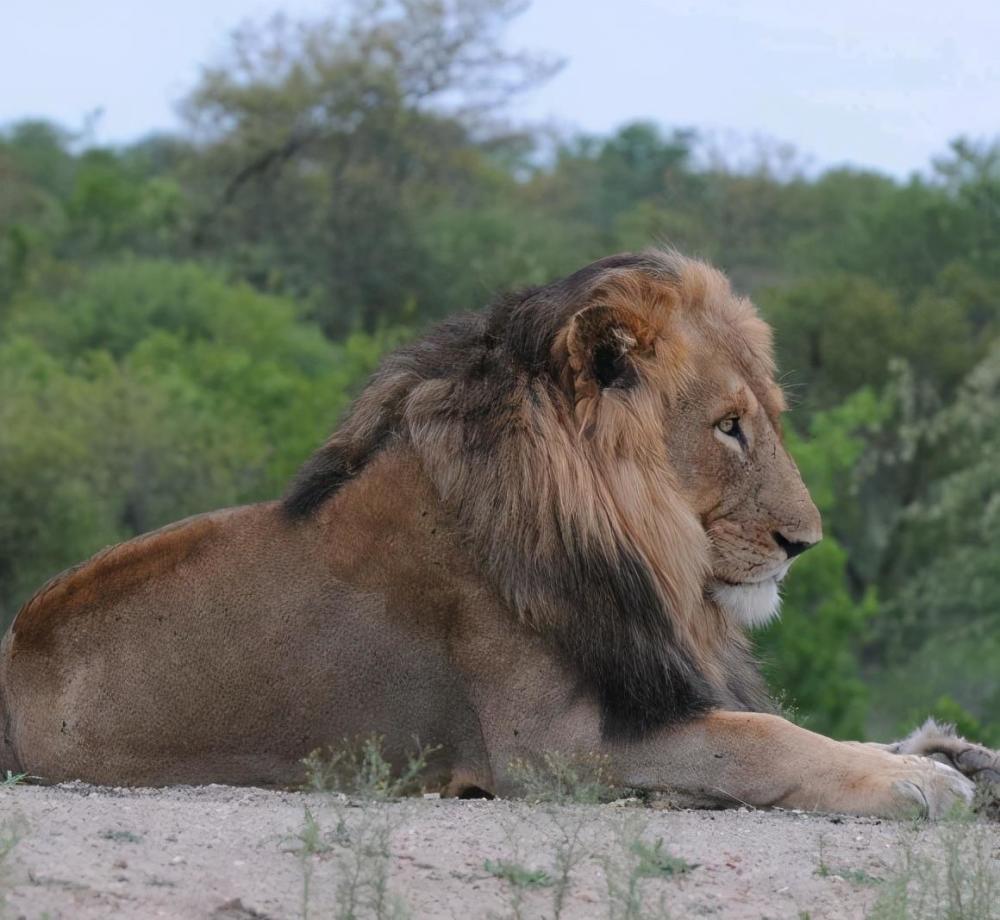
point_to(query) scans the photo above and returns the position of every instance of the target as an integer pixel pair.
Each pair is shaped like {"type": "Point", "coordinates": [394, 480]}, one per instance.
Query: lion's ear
{"type": "Point", "coordinates": [601, 346]}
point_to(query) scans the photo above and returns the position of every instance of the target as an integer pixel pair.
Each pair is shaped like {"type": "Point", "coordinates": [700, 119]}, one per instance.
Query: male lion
{"type": "Point", "coordinates": [541, 527]}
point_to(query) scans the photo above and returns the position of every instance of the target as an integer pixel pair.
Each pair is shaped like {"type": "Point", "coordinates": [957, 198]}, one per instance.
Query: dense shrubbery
{"type": "Point", "coordinates": [182, 320]}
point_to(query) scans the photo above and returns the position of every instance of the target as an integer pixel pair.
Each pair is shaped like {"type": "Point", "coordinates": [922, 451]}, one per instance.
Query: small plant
{"type": "Point", "coordinates": [564, 778]}
{"type": "Point", "coordinates": [656, 862]}
{"type": "Point", "coordinates": [569, 852]}
{"type": "Point", "coordinates": [309, 842]}
{"type": "Point", "coordinates": [359, 845]}
{"type": "Point", "coordinates": [12, 779]}
{"type": "Point", "coordinates": [363, 770]}
{"type": "Point", "coordinates": [120, 836]}
{"type": "Point", "coordinates": [637, 861]}
{"type": "Point", "coordinates": [363, 889]}
{"type": "Point", "coordinates": [562, 828]}
{"type": "Point", "coordinates": [631, 862]}
{"type": "Point", "coordinates": [857, 876]}
{"type": "Point", "coordinates": [519, 876]}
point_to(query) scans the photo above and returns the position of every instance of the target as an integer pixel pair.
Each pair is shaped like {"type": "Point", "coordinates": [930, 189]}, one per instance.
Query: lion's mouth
{"type": "Point", "coordinates": [775, 574]}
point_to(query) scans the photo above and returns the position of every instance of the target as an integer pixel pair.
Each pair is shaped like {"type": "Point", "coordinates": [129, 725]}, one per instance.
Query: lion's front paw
{"type": "Point", "coordinates": [924, 787]}
{"type": "Point", "coordinates": [977, 762]}
{"type": "Point", "coordinates": [945, 744]}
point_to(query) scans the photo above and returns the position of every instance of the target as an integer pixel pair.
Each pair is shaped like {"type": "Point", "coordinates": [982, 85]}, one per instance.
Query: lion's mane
{"type": "Point", "coordinates": [566, 501]}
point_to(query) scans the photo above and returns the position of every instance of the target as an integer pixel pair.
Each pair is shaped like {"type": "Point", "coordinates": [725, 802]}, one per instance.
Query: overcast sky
{"type": "Point", "coordinates": [882, 83]}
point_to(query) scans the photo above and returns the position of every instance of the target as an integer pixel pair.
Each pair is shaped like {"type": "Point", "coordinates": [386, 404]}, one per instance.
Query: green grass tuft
{"type": "Point", "coordinates": [519, 876]}
{"type": "Point", "coordinates": [656, 862]}
{"type": "Point", "coordinates": [12, 779]}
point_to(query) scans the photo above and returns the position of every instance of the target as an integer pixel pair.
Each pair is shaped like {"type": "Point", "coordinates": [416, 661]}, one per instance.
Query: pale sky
{"type": "Point", "coordinates": [881, 83]}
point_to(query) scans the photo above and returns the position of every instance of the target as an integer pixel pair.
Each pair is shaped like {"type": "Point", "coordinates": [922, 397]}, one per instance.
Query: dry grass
{"type": "Point", "coordinates": [953, 875]}
{"type": "Point", "coordinates": [945, 872]}
{"type": "Point", "coordinates": [557, 778]}
{"type": "Point", "coordinates": [351, 832]}
{"type": "Point", "coordinates": [361, 770]}
{"type": "Point", "coordinates": [352, 829]}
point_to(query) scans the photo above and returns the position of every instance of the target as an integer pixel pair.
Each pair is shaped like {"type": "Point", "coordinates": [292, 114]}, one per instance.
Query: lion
{"type": "Point", "coordinates": [547, 526]}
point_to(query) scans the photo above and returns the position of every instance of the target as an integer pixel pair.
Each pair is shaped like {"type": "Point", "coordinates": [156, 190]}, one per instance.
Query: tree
{"type": "Point", "coordinates": [812, 655]}
{"type": "Point", "coordinates": [835, 335]}
{"type": "Point", "coordinates": [146, 391]}
{"type": "Point", "coordinates": [331, 139]}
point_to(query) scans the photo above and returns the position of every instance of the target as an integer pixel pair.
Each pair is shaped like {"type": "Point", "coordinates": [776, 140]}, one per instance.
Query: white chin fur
{"type": "Point", "coordinates": [749, 604]}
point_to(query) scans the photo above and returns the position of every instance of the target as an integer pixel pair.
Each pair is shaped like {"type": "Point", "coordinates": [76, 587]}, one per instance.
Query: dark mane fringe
{"type": "Point", "coordinates": [522, 323]}
{"type": "Point", "coordinates": [326, 471]}
{"type": "Point", "coordinates": [373, 422]}
{"type": "Point", "coordinates": [473, 399]}
{"type": "Point", "coordinates": [622, 620]}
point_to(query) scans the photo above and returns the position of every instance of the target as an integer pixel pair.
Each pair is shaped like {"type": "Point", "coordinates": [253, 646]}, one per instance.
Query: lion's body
{"type": "Point", "coordinates": [544, 527]}
{"type": "Point", "coordinates": [227, 647]}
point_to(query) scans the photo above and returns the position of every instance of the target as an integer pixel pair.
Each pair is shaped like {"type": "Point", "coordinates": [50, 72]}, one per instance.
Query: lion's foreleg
{"type": "Point", "coordinates": [729, 758]}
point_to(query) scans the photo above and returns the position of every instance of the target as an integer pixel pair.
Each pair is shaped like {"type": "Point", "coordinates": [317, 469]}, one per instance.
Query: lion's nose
{"type": "Point", "coordinates": [792, 548]}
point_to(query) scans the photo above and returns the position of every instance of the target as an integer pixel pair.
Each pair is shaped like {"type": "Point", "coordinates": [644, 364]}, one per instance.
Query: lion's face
{"type": "Point", "coordinates": [723, 438]}
{"type": "Point", "coordinates": [690, 346]}
{"type": "Point", "coordinates": [724, 442]}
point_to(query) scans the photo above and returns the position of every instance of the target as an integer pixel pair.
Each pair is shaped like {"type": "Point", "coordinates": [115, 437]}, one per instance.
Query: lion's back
{"type": "Point", "coordinates": [114, 574]}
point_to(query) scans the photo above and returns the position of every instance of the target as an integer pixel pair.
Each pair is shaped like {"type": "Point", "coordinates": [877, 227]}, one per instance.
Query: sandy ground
{"type": "Point", "coordinates": [237, 854]}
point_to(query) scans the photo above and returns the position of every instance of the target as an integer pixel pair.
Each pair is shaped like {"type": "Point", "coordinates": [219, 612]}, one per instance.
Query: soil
{"type": "Point", "coordinates": [237, 854]}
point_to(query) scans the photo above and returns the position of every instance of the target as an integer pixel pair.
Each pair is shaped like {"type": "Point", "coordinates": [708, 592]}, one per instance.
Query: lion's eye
{"type": "Point", "coordinates": [730, 426]}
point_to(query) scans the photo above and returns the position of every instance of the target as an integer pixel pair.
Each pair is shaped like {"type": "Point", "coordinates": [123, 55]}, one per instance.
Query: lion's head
{"type": "Point", "coordinates": [668, 343]}
{"type": "Point", "coordinates": [610, 446]}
